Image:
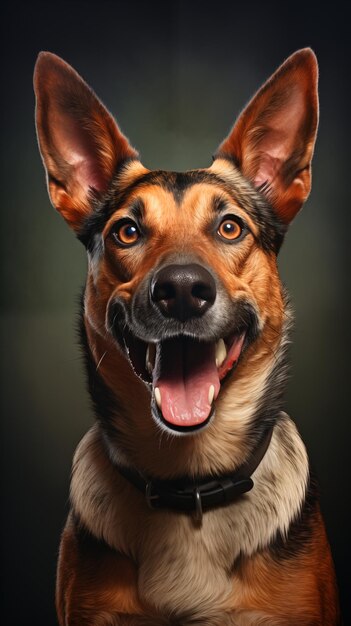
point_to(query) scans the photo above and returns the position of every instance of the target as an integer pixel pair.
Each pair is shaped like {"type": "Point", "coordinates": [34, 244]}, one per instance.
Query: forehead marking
{"type": "Point", "coordinates": [224, 176]}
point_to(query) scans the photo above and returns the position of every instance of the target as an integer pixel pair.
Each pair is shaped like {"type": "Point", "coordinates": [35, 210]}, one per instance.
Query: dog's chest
{"type": "Point", "coordinates": [185, 568]}
{"type": "Point", "coordinates": [182, 567]}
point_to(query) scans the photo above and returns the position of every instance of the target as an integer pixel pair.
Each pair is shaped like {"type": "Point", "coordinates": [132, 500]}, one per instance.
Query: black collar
{"type": "Point", "coordinates": [195, 495]}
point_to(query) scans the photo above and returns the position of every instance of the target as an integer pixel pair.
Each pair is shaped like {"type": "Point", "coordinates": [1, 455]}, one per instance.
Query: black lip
{"type": "Point", "coordinates": [122, 328]}
{"type": "Point", "coordinates": [130, 343]}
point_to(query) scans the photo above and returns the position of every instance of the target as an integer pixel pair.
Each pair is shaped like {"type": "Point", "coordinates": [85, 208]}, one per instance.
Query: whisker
{"type": "Point", "coordinates": [99, 363]}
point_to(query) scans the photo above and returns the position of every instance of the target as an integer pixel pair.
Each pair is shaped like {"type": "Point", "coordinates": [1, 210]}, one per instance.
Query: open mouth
{"type": "Point", "coordinates": [185, 375]}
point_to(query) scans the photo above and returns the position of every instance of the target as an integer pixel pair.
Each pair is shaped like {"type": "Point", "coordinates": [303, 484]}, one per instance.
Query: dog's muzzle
{"type": "Point", "coordinates": [183, 334]}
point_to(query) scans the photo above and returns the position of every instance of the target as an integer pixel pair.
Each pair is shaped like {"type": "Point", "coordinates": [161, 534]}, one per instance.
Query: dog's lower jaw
{"type": "Point", "coordinates": [114, 511]}
{"type": "Point", "coordinates": [240, 410]}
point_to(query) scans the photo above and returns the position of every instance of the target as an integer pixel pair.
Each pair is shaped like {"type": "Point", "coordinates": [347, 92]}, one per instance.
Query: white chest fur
{"type": "Point", "coordinates": [184, 568]}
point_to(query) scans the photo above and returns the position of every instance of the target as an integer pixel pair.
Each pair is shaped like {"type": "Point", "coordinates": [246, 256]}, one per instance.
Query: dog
{"type": "Point", "coordinates": [192, 501]}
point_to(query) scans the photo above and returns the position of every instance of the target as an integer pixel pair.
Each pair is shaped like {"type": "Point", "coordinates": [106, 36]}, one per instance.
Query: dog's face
{"type": "Point", "coordinates": [182, 266]}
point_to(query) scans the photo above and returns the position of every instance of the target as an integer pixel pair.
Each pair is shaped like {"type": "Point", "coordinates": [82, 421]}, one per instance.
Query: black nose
{"type": "Point", "coordinates": [183, 291]}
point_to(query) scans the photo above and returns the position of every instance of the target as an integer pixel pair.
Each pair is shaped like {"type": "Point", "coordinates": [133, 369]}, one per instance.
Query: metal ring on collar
{"type": "Point", "coordinates": [198, 505]}
{"type": "Point", "coordinates": [148, 495]}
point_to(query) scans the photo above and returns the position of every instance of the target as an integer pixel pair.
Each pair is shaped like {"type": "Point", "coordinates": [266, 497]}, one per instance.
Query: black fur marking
{"type": "Point", "coordinates": [219, 205]}
{"type": "Point", "coordinates": [298, 538]}
{"type": "Point", "coordinates": [272, 401]}
{"type": "Point", "coordinates": [272, 230]}
{"type": "Point", "coordinates": [105, 403]}
{"type": "Point", "coordinates": [87, 542]}
{"type": "Point", "coordinates": [137, 210]}
{"type": "Point", "coordinates": [117, 320]}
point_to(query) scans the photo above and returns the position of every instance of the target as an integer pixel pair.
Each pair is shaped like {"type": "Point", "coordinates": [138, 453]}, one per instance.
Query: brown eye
{"type": "Point", "coordinates": [230, 229]}
{"type": "Point", "coordinates": [127, 233]}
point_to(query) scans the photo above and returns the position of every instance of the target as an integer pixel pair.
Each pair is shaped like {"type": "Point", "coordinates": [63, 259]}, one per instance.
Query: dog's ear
{"type": "Point", "coordinates": [273, 139]}
{"type": "Point", "coordinates": [80, 143]}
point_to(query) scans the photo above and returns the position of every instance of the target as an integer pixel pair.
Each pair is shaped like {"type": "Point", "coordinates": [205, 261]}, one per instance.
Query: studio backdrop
{"type": "Point", "coordinates": [175, 75]}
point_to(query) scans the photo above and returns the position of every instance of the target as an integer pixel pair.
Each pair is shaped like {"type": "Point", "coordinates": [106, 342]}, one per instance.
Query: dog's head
{"type": "Point", "coordinates": [182, 279]}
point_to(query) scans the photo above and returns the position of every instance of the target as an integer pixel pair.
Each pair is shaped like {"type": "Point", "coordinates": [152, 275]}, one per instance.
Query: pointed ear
{"type": "Point", "coordinates": [273, 139]}
{"type": "Point", "coordinates": [80, 143]}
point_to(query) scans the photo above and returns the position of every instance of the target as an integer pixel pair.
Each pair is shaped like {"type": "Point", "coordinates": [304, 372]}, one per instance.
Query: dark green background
{"type": "Point", "coordinates": [175, 74]}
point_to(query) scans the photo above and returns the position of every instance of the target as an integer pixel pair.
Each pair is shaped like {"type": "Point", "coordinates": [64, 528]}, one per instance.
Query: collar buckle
{"type": "Point", "coordinates": [220, 490]}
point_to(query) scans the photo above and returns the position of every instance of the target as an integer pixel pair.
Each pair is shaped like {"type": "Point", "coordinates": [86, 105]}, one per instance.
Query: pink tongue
{"type": "Point", "coordinates": [186, 370]}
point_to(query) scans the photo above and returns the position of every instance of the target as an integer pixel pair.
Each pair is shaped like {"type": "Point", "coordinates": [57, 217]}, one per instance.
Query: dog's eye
{"type": "Point", "coordinates": [230, 229]}
{"type": "Point", "coordinates": [126, 233]}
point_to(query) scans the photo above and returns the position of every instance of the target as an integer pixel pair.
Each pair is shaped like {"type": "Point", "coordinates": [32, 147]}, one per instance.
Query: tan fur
{"type": "Point", "coordinates": [201, 558]}
{"type": "Point", "coordinates": [121, 563]}
{"type": "Point", "coordinates": [105, 587]}
{"type": "Point", "coordinates": [261, 584]}
{"type": "Point", "coordinates": [165, 456]}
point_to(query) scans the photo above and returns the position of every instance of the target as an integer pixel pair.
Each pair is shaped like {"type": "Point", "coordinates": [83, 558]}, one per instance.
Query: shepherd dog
{"type": "Point", "coordinates": [191, 500]}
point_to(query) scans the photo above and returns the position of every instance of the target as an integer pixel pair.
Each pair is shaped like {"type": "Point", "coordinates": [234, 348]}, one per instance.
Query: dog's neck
{"type": "Point", "coordinates": [269, 509]}
{"type": "Point", "coordinates": [244, 409]}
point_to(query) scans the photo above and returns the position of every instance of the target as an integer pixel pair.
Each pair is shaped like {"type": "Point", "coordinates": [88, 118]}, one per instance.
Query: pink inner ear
{"type": "Point", "coordinates": [89, 176]}
{"type": "Point", "coordinates": [279, 138]}
{"type": "Point", "coordinates": [80, 152]}
{"type": "Point", "coordinates": [267, 170]}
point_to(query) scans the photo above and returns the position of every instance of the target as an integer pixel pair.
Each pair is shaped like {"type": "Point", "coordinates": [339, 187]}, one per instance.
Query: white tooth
{"type": "Point", "coordinates": [150, 357]}
{"type": "Point", "coordinates": [211, 394]}
{"type": "Point", "coordinates": [221, 352]}
{"type": "Point", "coordinates": [158, 397]}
